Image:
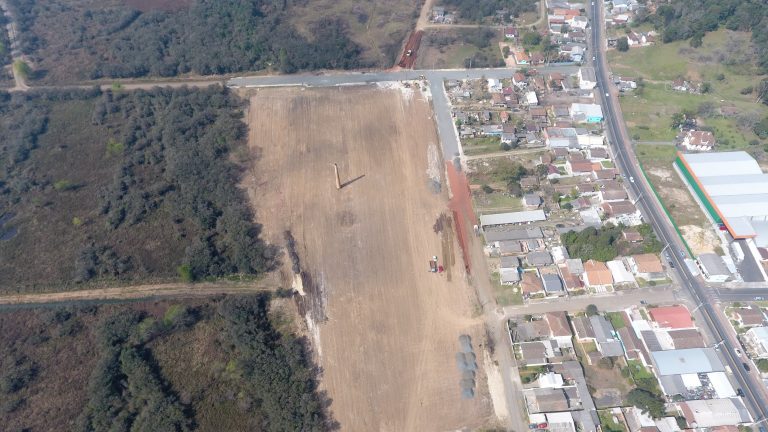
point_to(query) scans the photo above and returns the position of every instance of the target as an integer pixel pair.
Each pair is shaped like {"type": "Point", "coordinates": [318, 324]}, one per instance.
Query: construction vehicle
{"type": "Point", "coordinates": [433, 264]}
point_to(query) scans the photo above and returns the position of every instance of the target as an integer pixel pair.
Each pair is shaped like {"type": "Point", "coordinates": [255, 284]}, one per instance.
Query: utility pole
{"type": "Point", "coordinates": [338, 180]}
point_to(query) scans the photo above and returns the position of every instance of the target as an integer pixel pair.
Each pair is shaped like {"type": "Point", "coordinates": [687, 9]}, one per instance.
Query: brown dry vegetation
{"type": "Point", "coordinates": [388, 328]}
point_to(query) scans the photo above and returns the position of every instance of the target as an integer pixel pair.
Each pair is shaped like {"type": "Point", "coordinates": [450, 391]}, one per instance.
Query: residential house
{"type": "Point", "coordinates": [531, 99]}
{"type": "Point", "coordinates": [537, 59]}
{"type": "Point", "coordinates": [757, 339]}
{"type": "Point", "coordinates": [530, 284]}
{"type": "Point", "coordinates": [521, 57]}
{"type": "Point", "coordinates": [608, 344]}
{"type": "Point", "coordinates": [587, 78]}
{"type": "Point", "coordinates": [559, 328]}
{"type": "Point", "coordinates": [598, 153]}
{"type": "Point", "coordinates": [621, 212]}
{"type": "Point", "coordinates": [671, 317]}
{"type": "Point", "coordinates": [531, 182]}
{"type": "Point", "coordinates": [511, 32]}
{"type": "Point", "coordinates": [504, 116]}
{"type": "Point", "coordinates": [699, 140]}
{"type": "Point", "coordinates": [556, 81]}
{"type": "Point", "coordinates": [582, 329]}
{"type": "Point", "coordinates": [508, 247]}
{"type": "Point", "coordinates": [509, 276]}
{"type": "Point", "coordinates": [612, 195]}
{"type": "Point", "coordinates": [619, 272]}
{"type": "Point", "coordinates": [631, 235]}
{"type": "Point", "coordinates": [578, 22]}
{"type": "Point", "coordinates": [539, 115]}
{"type": "Point", "coordinates": [604, 174]}
{"type": "Point", "coordinates": [579, 168]}
{"type": "Point", "coordinates": [647, 266]}
{"type": "Point", "coordinates": [553, 286]}
{"type": "Point", "coordinates": [597, 275]}
{"type": "Point", "coordinates": [750, 317]}
{"type": "Point", "coordinates": [686, 339]}
{"type": "Point", "coordinates": [571, 281]}
{"type": "Point", "coordinates": [509, 263]}
{"type": "Point", "coordinates": [497, 99]}
{"type": "Point", "coordinates": [559, 254]}
{"type": "Point", "coordinates": [532, 200]}
{"type": "Point", "coordinates": [519, 80]}
{"type": "Point", "coordinates": [575, 266]}
{"type": "Point", "coordinates": [555, 138]}
{"type": "Point", "coordinates": [538, 259]}
{"type": "Point", "coordinates": [491, 130]}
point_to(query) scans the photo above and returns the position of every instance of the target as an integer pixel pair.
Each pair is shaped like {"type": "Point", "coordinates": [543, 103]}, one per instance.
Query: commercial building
{"type": "Point", "coordinates": [589, 113]}
{"type": "Point", "coordinates": [732, 189]}
{"type": "Point", "coordinates": [713, 267]}
{"type": "Point", "coordinates": [687, 361]}
{"type": "Point", "coordinates": [712, 413]}
{"type": "Point", "coordinates": [757, 338]}
{"type": "Point", "coordinates": [512, 218]}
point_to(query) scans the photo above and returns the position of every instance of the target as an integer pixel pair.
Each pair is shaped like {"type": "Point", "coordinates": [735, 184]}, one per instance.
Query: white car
{"type": "Point", "coordinates": [631, 179]}
{"type": "Point", "coordinates": [738, 352]}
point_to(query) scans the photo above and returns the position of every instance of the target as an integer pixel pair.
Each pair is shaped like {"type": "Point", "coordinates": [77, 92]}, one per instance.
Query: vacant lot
{"type": "Point", "coordinates": [460, 48]}
{"type": "Point", "coordinates": [657, 160]}
{"type": "Point", "coordinates": [724, 61]}
{"type": "Point", "coordinates": [388, 328]}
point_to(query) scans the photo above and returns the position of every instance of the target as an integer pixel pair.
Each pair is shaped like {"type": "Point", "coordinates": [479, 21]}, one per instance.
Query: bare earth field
{"type": "Point", "coordinates": [387, 329]}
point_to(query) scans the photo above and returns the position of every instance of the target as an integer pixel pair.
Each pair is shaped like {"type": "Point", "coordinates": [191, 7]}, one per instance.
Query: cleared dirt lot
{"type": "Point", "coordinates": [388, 341]}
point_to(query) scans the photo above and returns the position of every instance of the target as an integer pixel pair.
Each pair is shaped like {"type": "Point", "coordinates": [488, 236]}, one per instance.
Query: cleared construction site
{"type": "Point", "coordinates": [384, 327]}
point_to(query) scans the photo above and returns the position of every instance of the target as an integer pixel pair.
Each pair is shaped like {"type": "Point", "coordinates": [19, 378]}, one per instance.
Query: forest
{"type": "Point", "coordinates": [477, 10]}
{"type": "Point", "coordinates": [131, 186]}
{"type": "Point", "coordinates": [231, 363]}
{"type": "Point", "coordinates": [685, 19]}
{"type": "Point", "coordinates": [208, 37]}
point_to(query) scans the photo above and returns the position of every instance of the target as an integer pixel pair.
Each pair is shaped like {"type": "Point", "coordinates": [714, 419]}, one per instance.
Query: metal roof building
{"type": "Point", "coordinates": [731, 187]}
{"type": "Point", "coordinates": [687, 361]}
{"type": "Point", "coordinates": [512, 218]}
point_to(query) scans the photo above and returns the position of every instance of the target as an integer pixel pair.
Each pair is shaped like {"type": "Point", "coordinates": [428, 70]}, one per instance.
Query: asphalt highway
{"type": "Point", "coordinates": [653, 213]}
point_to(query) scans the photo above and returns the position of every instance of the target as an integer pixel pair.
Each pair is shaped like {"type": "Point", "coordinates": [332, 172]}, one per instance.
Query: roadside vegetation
{"type": "Point", "coordinates": [482, 10]}
{"type": "Point", "coordinates": [105, 187]}
{"type": "Point", "coordinates": [606, 243]}
{"type": "Point", "coordinates": [228, 364]}
{"type": "Point", "coordinates": [112, 39]}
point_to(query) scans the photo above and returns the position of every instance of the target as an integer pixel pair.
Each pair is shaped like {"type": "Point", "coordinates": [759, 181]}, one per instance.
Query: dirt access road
{"type": "Point", "coordinates": [387, 334]}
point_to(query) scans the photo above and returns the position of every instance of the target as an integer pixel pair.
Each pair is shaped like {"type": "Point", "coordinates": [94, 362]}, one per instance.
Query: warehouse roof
{"type": "Point", "coordinates": [512, 218]}
{"type": "Point", "coordinates": [715, 412]}
{"type": "Point", "coordinates": [685, 361]}
{"type": "Point", "coordinates": [735, 184]}
{"type": "Point", "coordinates": [514, 234]}
{"type": "Point", "coordinates": [726, 163]}
{"type": "Point", "coordinates": [714, 264]}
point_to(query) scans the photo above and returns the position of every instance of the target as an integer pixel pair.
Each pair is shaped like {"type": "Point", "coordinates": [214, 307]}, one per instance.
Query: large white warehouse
{"type": "Point", "coordinates": [733, 189]}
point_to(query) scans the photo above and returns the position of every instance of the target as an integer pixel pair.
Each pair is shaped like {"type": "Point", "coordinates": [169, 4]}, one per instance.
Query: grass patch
{"type": "Point", "coordinates": [607, 422]}
{"type": "Point", "coordinates": [616, 319]}
{"type": "Point", "coordinates": [482, 145]}
{"type": "Point", "coordinates": [506, 295]}
{"type": "Point", "coordinates": [453, 48]}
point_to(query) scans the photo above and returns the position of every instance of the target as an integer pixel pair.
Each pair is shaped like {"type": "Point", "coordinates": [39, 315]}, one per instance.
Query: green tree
{"type": "Point", "coordinates": [648, 402]}
{"type": "Point", "coordinates": [622, 44]}
{"type": "Point", "coordinates": [531, 39]}
{"type": "Point", "coordinates": [22, 69]}
{"type": "Point", "coordinates": [591, 310]}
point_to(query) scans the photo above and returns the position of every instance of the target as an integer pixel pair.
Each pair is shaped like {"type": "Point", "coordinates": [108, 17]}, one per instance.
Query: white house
{"type": "Point", "coordinates": [531, 99]}
{"type": "Point", "coordinates": [699, 141]}
{"type": "Point", "coordinates": [757, 337]}
{"type": "Point", "coordinates": [494, 85]}
{"type": "Point", "coordinates": [587, 78]}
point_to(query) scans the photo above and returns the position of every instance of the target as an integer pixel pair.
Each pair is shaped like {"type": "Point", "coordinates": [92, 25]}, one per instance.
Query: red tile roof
{"type": "Point", "coordinates": [675, 317]}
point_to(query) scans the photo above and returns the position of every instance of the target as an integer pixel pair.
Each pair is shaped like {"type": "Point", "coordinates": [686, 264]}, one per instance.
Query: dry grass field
{"type": "Point", "coordinates": [387, 330]}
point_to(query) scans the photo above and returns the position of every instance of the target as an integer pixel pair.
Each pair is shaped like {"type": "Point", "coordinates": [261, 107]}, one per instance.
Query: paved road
{"type": "Point", "coordinates": [434, 77]}
{"type": "Point", "coordinates": [714, 321]}
{"type": "Point", "coordinates": [609, 302]}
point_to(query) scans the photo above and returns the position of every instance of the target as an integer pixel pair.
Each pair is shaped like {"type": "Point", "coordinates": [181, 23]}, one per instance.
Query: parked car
{"type": "Point", "coordinates": [740, 392]}
{"type": "Point", "coordinates": [746, 367]}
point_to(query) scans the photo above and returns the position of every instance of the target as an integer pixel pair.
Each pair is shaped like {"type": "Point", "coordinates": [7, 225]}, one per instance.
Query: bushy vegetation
{"type": "Point", "coordinates": [256, 378]}
{"type": "Point", "coordinates": [477, 10]}
{"type": "Point", "coordinates": [208, 37]}
{"type": "Point", "coordinates": [164, 172]}
{"type": "Point", "coordinates": [606, 243]}
{"type": "Point", "coordinates": [694, 18]}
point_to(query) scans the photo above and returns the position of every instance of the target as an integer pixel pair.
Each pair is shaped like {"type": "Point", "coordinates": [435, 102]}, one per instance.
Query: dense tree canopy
{"type": "Point", "coordinates": [209, 37]}
{"type": "Point", "coordinates": [683, 19]}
